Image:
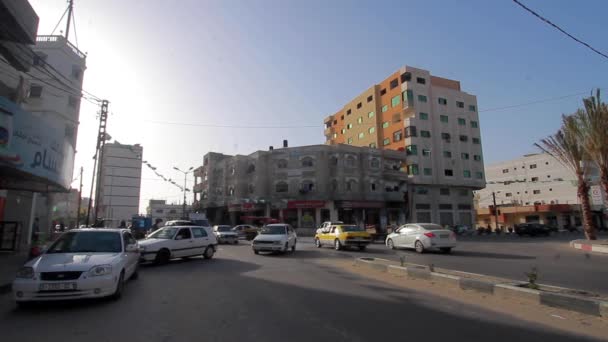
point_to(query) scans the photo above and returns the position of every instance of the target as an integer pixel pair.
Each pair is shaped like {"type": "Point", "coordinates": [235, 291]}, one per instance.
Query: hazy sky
{"type": "Point", "coordinates": [291, 63]}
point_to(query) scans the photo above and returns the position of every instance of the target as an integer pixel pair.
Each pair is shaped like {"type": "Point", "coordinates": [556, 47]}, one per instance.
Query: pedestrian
{"type": "Point", "coordinates": [123, 224]}
{"type": "Point", "coordinates": [35, 229]}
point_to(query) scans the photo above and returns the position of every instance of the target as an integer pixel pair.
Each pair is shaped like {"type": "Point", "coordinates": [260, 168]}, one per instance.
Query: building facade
{"type": "Point", "coordinates": [535, 188]}
{"type": "Point", "coordinates": [432, 122]}
{"type": "Point", "coordinates": [160, 209]}
{"type": "Point", "coordinates": [120, 183]}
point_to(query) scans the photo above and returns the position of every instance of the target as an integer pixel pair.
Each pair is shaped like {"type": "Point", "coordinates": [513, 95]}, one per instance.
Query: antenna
{"type": "Point", "coordinates": [67, 26]}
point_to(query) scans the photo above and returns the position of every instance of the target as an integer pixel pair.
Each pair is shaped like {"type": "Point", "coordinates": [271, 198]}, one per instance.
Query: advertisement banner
{"type": "Point", "coordinates": [38, 144]}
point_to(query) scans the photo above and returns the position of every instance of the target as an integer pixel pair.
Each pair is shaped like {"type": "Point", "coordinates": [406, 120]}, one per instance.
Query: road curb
{"type": "Point", "coordinates": [584, 245]}
{"type": "Point", "coordinates": [505, 290]}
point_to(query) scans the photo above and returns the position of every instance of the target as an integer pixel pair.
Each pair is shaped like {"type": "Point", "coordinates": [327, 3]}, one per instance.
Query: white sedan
{"type": "Point", "coordinates": [178, 242]}
{"type": "Point", "coordinates": [81, 263]}
{"type": "Point", "coordinates": [422, 237]}
{"type": "Point", "coordinates": [278, 237]}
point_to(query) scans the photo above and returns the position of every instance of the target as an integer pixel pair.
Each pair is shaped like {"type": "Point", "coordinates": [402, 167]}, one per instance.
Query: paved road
{"type": "Point", "coordinates": [239, 296]}
{"type": "Point", "coordinates": [511, 257]}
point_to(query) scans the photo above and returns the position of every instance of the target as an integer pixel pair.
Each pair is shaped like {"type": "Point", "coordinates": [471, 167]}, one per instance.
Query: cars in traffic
{"type": "Point", "coordinates": [278, 237]}
{"type": "Point", "coordinates": [225, 234]}
{"type": "Point", "coordinates": [532, 229]}
{"type": "Point", "coordinates": [422, 237]}
{"type": "Point", "coordinates": [343, 235]}
{"type": "Point", "coordinates": [171, 242]}
{"type": "Point", "coordinates": [246, 231]}
{"type": "Point", "coordinates": [81, 263]}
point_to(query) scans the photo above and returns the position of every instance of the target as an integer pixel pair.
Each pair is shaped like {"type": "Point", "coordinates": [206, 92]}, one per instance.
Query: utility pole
{"type": "Point", "coordinates": [79, 200]}
{"type": "Point", "coordinates": [184, 189]}
{"type": "Point", "coordinates": [101, 138]}
{"type": "Point", "coordinates": [67, 26]}
{"type": "Point", "coordinates": [495, 210]}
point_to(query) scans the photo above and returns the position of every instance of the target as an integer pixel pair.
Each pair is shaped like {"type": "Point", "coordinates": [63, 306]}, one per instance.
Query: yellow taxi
{"type": "Point", "coordinates": [343, 235]}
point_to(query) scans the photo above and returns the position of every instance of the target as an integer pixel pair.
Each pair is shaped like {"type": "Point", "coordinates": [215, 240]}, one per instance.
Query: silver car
{"type": "Point", "coordinates": [422, 237]}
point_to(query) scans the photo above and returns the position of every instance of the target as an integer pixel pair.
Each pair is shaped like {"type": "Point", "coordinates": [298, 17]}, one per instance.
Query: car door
{"type": "Point", "coordinates": [201, 238]}
{"type": "Point", "coordinates": [412, 233]}
{"type": "Point", "coordinates": [132, 257]}
{"type": "Point", "coordinates": [183, 243]}
{"type": "Point", "coordinates": [400, 239]}
{"type": "Point", "coordinates": [328, 235]}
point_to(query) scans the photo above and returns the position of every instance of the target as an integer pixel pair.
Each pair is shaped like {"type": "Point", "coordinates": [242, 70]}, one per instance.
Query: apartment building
{"type": "Point", "coordinates": [304, 186]}
{"type": "Point", "coordinates": [120, 183]}
{"type": "Point", "coordinates": [435, 124]}
{"type": "Point", "coordinates": [160, 209]}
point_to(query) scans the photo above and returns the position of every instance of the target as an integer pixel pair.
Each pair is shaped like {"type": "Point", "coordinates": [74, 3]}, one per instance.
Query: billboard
{"type": "Point", "coordinates": [35, 144]}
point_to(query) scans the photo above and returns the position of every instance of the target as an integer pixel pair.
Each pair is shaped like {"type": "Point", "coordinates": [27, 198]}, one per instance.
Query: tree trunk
{"type": "Point", "coordinates": [604, 182]}
{"type": "Point", "coordinates": [583, 196]}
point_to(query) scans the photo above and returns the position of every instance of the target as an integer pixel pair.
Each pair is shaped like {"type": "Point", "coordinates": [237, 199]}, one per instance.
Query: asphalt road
{"type": "Point", "coordinates": [239, 296]}
{"type": "Point", "coordinates": [511, 256]}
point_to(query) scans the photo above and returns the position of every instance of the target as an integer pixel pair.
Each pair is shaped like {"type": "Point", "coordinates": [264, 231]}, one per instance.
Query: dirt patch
{"type": "Point", "coordinates": [548, 317]}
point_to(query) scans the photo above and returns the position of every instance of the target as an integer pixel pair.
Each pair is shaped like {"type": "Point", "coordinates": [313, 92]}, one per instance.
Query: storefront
{"type": "Point", "coordinates": [305, 214]}
{"type": "Point", "coordinates": [370, 214]}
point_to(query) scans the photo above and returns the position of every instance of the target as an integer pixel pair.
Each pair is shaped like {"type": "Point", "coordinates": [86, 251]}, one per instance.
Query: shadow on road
{"type": "Point", "coordinates": [490, 255]}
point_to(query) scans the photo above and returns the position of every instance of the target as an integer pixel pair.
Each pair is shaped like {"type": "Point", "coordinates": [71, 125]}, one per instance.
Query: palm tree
{"type": "Point", "coordinates": [568, 150]}
{"type": "Point", "coordinates": [593, 132]}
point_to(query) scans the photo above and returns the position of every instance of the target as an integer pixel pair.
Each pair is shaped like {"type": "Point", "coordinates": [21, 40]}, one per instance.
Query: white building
{"type": "Point", "coordinates": [120, 182]}
{"type": "Point", "coordinates": [160, 209]}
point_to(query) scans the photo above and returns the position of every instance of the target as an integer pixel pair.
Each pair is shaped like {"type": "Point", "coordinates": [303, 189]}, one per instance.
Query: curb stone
{"type": "Point", "coordinates": [516, 292]}
{"type": "Point", "coordinates": [589, 247]}
{"type": "Point", "coordinates": [476, 285]}
{"type": "Point", "coordinates": [583, 305]}
{"type": "Point", "coordinates": [397, 270]}
{"type": "Point", "coordinates": [445, 278]}
{"type": "Point", "coordinates": [419, 273]}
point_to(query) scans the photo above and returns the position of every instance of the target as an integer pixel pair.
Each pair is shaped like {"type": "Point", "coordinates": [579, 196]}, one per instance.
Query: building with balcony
{"type": "Point", "coordinates": [431, 121]}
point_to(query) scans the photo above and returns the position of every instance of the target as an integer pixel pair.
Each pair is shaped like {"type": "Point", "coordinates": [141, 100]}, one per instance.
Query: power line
{"type": "Point", "coordinates": [560, 29]}
{"type": "Point", "coordinates": [533, 102]}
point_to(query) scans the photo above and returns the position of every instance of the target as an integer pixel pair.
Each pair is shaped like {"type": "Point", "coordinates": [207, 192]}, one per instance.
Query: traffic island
{"type": "Point", "coordinates": [594, 246]}
{"type": "Point", "coordinates": [540, 294]}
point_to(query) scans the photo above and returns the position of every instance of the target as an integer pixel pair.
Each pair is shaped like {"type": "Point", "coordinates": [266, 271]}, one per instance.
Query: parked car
{"type": "Point", "coordinates": [532, 229]}
{"type": "Point", "coordinates": [278, 237]}
{"type": "Point", "coordinates": [225, 234]}
{"type": "Point", "coordinates": [422, 237]}
{"type": "Point", "coordinates": [171, 242]}
{"type": "Point", "coordinates": [343, 235]}
{"type": "Point", "coordinates": [81, 263]}
{"type": "Point", "coordinates": [246, 231]}
{"type": "Point", "coordinates": [327, 224]}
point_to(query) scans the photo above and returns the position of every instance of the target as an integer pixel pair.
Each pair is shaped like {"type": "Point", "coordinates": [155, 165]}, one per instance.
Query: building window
{"type": "Point", "coordinates": [464, 156]}
{"type": "Point", "coordinates": [251, 188]}
{"type": "Point", "coordinates": [281, 187]}
{"type": "Point", "coordinates": [444, 191]}
{"type": "Point", "coordinates": [445, 137]}
{"type": "Point", "coordinates": [479, 175]}
{"type": "Point", "coordinates": [350, 161]}
{"type": "Point", "coordinates": [360, 120]}
{"type": "Point", "coordinates": [386, 141]}
{"type": "Point", "coordinates": [394, 83]}
{"type": "Point", "coordinates": [421, 98]}
{"type": "Point", "coordinates": [372, 186]}
{"type": "Point", "coordinates": [342, 117]}
{"type": "Point", "coordinates": [464, 138]}
{"type": "Point", "coordinates": [462, 122]}
{"type": "Point", "coordinates": [384, 108]}
{"type": "Point", "coordinates": [424, 116]}
{"type": "Point", "coordinates": [73, 101]}
{"type": "Point", "coordinates": [382, 92]}
{"type": "Point", "coordinates": [351, 185]}
{"type": "Point", "coordinates": [397, 136]}
{"type": "Point", "coordinates": [35, 91]}
{"type": "Point", "coordinates": [410, 131]}
{"type": "Point", "coordinates": [334, 136]}
{"type": "Point", "coordinates": [448, 172]}
{"type": "Point", "coordinates": [425, 134]}
{"type": "Point", "coordinates": [371, 130]}
{"type": "Point", "coordinates": [533, 166]}
{"type": "Point", "coordinates": [472, 108]}
{"type": "Point", "coordinates": [426, 152]}
{"type": "Point", "coordinates": [250, 169]}
{"type": "Point", "coordinates": [159, 211]}
{"type": "Point", "coordinates": [370, 98]}
{"type": "Point", "coordinates": [350, 141]}
{"type": "Point", "coordinates": [476, 157]}
{"type": "Point", "coordinates": [459, 104]}
{"type": "Point", "coordinates": [385, 124]}
{"type": "Point", "coordinates": [372, 145]}
{"type": "Point", "coordinates": [442, 101]}
{"type": "Point", "coordinates": [536, 192]}
{"type": "Point", "coordinates": [361, 135]}
{"type": "Point", "coordinates": [349, 126]}
{"type": "Point", "coordinates": [428, 171]}
{"type": "Point", "coordinates": [505, 170]}
{"type": "Point", "coordinates": [406, 77]}
{"type": "Point", "coordinates": [420, 80]}
{"type": "Point", "coordinates": [395, 101]}
{"type": "Point", "coordinates": [420, 190]}
{"type": "Point", "coordinates": [76, 72]}
{"type": "Point", "coordinates": [359, 105]}
{"type": "Point", "coordinates": [343, 130]}
{"type": "Point", "coordinates": [443, 118]}
{"type": "Point", "coordinates": [411, 150]}
{"type": "Point", "coordinates": [474, 124]}
{"type": "Point", "coordinates": [447, 154]}
{"type": "Point", "coordinates": [466, 173]}
{"type": "Point", "coordinates": [334, 185]}
{"type": "Point", "coordinates": [463, 192]}
{"type": "Point", "coordinates": [333, 161]}
{"type": "Point", "coordinates": [39, 58]}
{"type": "Point", "coordinates": [370, 114]}
{"type": "Point", "coordinates": [307, 186]}
{"type": "Point", "coordinates": [476, 141]}
{"type": "Point", "coordinates": [307, 162]}
{"type": "Point", "coordinates": [231, 191]}
{"type": "Point", "coordinates": [348, 112]}
{"type": "Point", "coordinates": [375, 163]}
{"type": "Point", "coordinates": [508, 194]}
{"type": "Point", "coordinates": [534, 179]}
{"type": "Point", "coordinates": [412, 169]}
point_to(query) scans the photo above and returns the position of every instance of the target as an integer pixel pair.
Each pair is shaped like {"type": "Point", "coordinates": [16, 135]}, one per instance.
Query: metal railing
{"type": "Point", "coordinates": [50, 39]}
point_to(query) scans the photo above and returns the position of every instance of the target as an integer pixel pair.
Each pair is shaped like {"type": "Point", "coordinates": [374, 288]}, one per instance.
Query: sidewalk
{"type": "Point", "coordinates": [9, 265]}
{"type": "Point", "coordinates": [595, 246]}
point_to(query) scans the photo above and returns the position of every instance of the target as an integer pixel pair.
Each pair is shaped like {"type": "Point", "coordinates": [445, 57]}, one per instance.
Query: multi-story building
{"type": "Point", "coordinates": [435, 124]}
{"type": "Point", "coordinates": [304, 186]}
{"type": "Point", "coordinates": [535, 188]}
{"type": "Point", "coordinates": [120, 183]}
{"type": "Point", "coordinates": [160, 209]}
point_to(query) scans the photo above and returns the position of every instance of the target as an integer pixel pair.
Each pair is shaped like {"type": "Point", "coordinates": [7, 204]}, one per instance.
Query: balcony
{"type": "Point", "coordinates": [198, 188]}
{"type": "Point", "coordinates": [329, 131]}
{"type": "Point", "coordinates": [59, 41]}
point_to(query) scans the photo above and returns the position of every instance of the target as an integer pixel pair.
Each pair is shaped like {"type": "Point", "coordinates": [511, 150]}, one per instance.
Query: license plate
{"type": "Point", "coordinates": [57, 286]}
{"type": "Point", "coordinates": [444, 236]}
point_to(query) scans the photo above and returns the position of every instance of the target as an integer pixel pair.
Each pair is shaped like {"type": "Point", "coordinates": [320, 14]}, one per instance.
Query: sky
{"type": "Point", "coordinates": [172, 68]}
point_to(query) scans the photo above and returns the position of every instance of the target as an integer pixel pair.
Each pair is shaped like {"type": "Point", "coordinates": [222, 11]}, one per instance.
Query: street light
{"type": "Point", "coordinates": [184, 189]}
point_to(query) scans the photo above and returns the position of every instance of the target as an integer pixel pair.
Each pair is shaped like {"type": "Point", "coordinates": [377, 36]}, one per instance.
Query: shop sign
{"type": "Point", "coordinates": [359, 204]}
{"type": "Point", "coordinates": [305, 204]}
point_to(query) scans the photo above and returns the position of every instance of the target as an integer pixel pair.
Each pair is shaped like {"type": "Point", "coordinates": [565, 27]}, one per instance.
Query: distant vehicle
{"type": "Point", "coordinates": [343, 235]}
{"type": "Point", "coordinates": [422, 237]}
{"type": "Point", "coordinates": [81, 263]}
{"type": "Point", "coordinates": [464, 230]}
{"type": "Point", "coordinates": [328, 224]}
{"type": "Point", "coordinates": [199, 219]}
{"type": "Point", "coordinates": [225, 234]}
{"type": "Point", "coordinates": [246, 231]}
{"type": "Point", "coordinates": [179, 223]}
{"type": "Point", "coordinates": [532, 229]}
{"type": "Point", "coordinates": [278, 237]}
{"type": "Point", "coordinates": [171, 242]}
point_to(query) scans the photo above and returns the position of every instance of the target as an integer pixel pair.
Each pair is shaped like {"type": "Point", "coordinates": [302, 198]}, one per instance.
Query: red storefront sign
{"type": "Point", "coordinates": [360, 204]}
{"type": "Point", "coordinates": [305, 204]}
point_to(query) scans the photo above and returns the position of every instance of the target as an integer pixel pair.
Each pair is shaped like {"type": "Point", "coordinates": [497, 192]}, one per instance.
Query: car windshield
{"type": "Point", "coordinates": [273, 230]}
{"type": "Point", "coordinates": [224, 228]}
{"type": "Point", "coordinates": [352, 229]}
{"type": "Point", "coordinates": [163, 233]}
{"type": "Point", "coordinates": [87, 242]}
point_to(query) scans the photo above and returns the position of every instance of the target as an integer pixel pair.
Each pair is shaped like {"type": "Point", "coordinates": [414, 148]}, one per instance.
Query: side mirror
{"type": "Point", "coordinates": [132, 248]}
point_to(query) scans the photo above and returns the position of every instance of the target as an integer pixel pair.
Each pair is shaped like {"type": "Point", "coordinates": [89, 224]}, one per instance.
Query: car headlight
{"type": "Point", "coordinates": [25, 273]}
{"type": "Point", "coordinates": [100, 270]}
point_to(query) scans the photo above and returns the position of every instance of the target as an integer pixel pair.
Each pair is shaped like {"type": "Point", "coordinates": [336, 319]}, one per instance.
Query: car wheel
{"type": "Point", "coordinates": [318, 243]}
{"type": "Point", "coordinates": [362, 248]}
{"type": "Point", "coordinates": [209, 252]}
{"type": "Point", "coordinates": [390, 244]}
{"type": "Point", "coordinates": [236, 241]}
{"type": "Point", "coordinates": [337, 245]}
{"type": "Point", "coordinates": [446, 250]}
{"type": "Point", "coordinates": [256, 252]}
{"type": "Point", "coordinates": [119, 286]}
{"type": "Point", "coordinates": [293, 248]}
{"type": "Point", "coordinates": [419, 247]}
{"type": "Point", "coordinates": [162, 257]}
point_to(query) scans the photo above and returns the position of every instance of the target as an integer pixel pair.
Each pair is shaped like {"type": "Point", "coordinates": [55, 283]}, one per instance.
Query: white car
{"type": "Point", "coordinates": [422, 237]}
{"type": "Point", "coordinates": [81, 263]}
{"type": "Point", "coordinates": [327, 224]}
{"type": "Point", "coordinates": [225, 234]}
{"type": "Point", "coordinates": [279, 237]}
{"type": "Point", "coordinates": [171, 242]}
